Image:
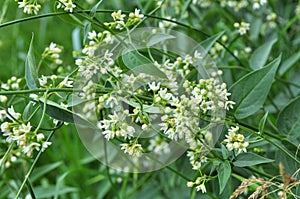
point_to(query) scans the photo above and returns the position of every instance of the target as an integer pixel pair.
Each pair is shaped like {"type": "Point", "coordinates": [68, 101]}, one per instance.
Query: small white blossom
{"type": "Point", "coordinates": [43, 81]}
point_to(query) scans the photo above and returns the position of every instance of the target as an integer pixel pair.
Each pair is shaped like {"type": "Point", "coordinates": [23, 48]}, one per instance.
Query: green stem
{"type": "Point", "coordinates": [6, 154]}
{"type": "Point", "coordinates": [40, 90]}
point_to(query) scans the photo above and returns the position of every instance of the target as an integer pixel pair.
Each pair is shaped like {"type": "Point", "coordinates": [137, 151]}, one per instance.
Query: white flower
{"type": "Point", "coordinates": [118, 15]}
{"type": "Point", "coordinates": [136, 14]}
{"type": "Point", "coordinates": [243, 27]}
{"type": "Point", "coordinates": [92, 35]}
{"type": "Point", "coordinates": [112, 101]}
{"type": "Point", "coordinates": [53, 48]}
{"type": "Point", "coordinates": [5, 127]}
{"type": "Point", "coordinates": [40, 137]}
{"type": "Point", "coordinates": [34, 96]}
{"type": "Point", "coordinates": [66, 83]}
{"type": "Point", "coordinates": [108, 134]}
{"type": "Point", "coordinates": [154, 87]}
{"type": "Point", "coordinates": [25, 128]}
{"type": "Point", "coordinates": [164, 94]}
{"type": "Point", "coordinates": [3, 99]}
{"type": "Point", "coordinates": [3, 115]}
{"type": "Point", "coordinates": [43, 81]}
{"type": "Point", "coordinates": [144, 127]}
{"type": "Point", "coordinates": [190, 184]}
{"type": "Point", "coordinates": [12, 113]}
{"type": "Point", "coordinates": [45, 145]}
{"type": "Point", "coordinates": [201, 187]}
{"type": "Point", "coordinates": [28, 150]}
{"type": "Point", "coordinates": [69, 6]}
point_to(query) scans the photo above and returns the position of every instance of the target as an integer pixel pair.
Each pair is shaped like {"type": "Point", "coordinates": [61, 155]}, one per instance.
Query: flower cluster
{"type": "Point", "coordinates": [235, 141]}
{"type": "Point", "coordinates": [20, 134]}
{"type": "Point", "coordinates": [30, 6]}
{"type": "Point", "coordinates": [200, 184]}
{"type": "Point", "coordinates": [119, 19]}
{"type": "Point", "coordinates": [12, 84]}
{"type": "Point", "coordinates": [242, 27]}
{"type": "Point", "coordinates": [95, 40]}
{"type": "Point", "coordinates": [52, 53]}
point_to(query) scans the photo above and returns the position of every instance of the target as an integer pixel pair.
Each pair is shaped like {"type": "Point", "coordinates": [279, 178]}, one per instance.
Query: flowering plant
{"type": "Point", "coordinates": [214, 108]}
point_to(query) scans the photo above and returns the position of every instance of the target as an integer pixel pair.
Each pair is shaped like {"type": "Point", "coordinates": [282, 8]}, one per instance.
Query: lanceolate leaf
{"type": "Point", "coordinates": [289, 63]}
{"type": "Point", "coordinates": [138, 63]}
{"type": "Point", "coordinates": [30, 68]}
{"type": "Point", "coordinates": [224, 173]}
{"type": "Point", "coordinates": [158, 37]}
{"type": "Point", "coordinates": [209, 42]}
{"type": "Point", "coordinates": [94, 9]}
{"type": "Point", "coordinates": [260, 55]}
{"type": "Point", "coordinates": [250, 159]}
{"type": "Point", "coordinates": [262, 122]}
{"type": "Point", "coordinates": [288, 121]}
{"type": "Point", "coordinates": [251, 91]}
{"type": "Point", "coordinates": [57, 112]}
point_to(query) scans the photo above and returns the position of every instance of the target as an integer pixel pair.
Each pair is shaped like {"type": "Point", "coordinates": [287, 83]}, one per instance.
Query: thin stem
{"type": "Point", "coordinates": [6, 154]}
{"type": "Point", "coordinates": [40, 90]}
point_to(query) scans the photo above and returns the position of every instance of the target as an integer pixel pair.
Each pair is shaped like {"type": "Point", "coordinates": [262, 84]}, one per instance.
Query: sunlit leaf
{"type": "Point", "coordinates": [250, 159]}
{"type": "Point", "coordinates": [224, 172]}
{"type": "Point", "coordinates": [250, 92]}
{"type": "Point", "coordinates": [288, 121]}
{"type": "Point", "coordinates": [261, 54]}
{"type": "Point", "coordinates": [31, 75]}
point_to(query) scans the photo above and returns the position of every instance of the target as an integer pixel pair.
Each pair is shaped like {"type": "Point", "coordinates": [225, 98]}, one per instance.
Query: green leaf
{"type": "Point", "coordinates": [57, 112]}
{"type": "Point", "coordinates": [27, 111]}
{"type": "Point", "coordinates": [138, 63]}
{"type": "Point", "coordinates": [289, 63]}
{"type": "Point", "coordinates": [86, 30]}
{"type": "Point", "coordinates": [260, 55]}
{"type": "Point", "coordinates": [250, 92]}
{"type": "Point", "coordinates": [209, 42]}
{"type": "Point", "coordinates": [31, 75]}
{"type": "Point", "coordinates": [224, 173]}
{"type": "Point", "coordinates": [94, 9]}
{"type": "Point", "coordinates": [225, 153]}
{"type": "Point", "coordinates": [158, 37]}
{"type": "Point", "coordinates": [288, 121]}
{"type": "Point", "coordinates": [250, 159]}
{"type": "Point", "coordinates": [262, 122]}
